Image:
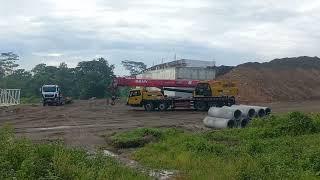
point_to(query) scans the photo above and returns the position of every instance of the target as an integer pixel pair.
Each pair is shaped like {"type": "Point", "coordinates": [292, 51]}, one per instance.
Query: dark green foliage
{"type": "Point", "coordinates": [20, 159]}
{"type": "Point", "coordinates": [7, 63]}
{"type": "Point", "coordinates": [94, 77]}
{"type": "Point", "coordinates": [123, 92]}
{"type": "Point", "coordinates": [293, 124]}
{"type": "Point", "coordinates": [88, 79]}
{"type": "Point", "coordinates": [134, 67]}
{"type": "Point", "coordinates": [276, 147]}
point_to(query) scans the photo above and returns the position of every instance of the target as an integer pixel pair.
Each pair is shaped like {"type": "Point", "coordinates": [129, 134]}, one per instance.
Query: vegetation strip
{"type": "Point", "coordinates": [275, 147]}
{"type": "Point", "coordinates": [21, 159]}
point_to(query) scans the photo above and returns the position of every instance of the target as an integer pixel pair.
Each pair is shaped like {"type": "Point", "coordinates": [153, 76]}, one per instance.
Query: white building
{"type": "Point", "coordinates": [181, 69]}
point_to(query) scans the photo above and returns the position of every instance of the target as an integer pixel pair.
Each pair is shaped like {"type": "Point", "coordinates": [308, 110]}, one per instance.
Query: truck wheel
{"type": "Point", "coordinates": [44, 104]}
{"type": "Point", "coordinates": [201, 106]}
{"type": "Point", "coordinates": [149, 107]}
{"type": "Point", "coordinates": [232, 101]}
{"type": "Point", "coordinates": [212, 104]}
{"type": "Point", "coordinates": [163, 106]}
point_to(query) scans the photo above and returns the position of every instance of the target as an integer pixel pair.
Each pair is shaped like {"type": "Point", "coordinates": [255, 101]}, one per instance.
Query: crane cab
{"type": "Point", "coordinates": [216, 89]}
{"type": "Point", "coordinates": [139, 95]}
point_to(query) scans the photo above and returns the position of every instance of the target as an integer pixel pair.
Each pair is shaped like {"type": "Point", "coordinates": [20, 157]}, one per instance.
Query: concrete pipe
{"type": "Point", "coordinates": [260, 111]}
{"type": "Point", "coordinates": [218, 123]}
{"type": "Point", "coordinates": [248, 112]}
{"type": "Point", "coordinates": [225, 112]}
{"type": "Point", "coordinates": [267, 110]}
{"type": "Point", "coordinates": [244, 122]}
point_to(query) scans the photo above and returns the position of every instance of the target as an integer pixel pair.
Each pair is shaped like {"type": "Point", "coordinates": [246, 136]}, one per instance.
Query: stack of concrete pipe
{"type": "Point", "coordinates": [234, 116]}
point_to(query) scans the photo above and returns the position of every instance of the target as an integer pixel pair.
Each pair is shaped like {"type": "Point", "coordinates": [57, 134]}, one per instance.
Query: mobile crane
{"type": "Point", "coordinates": [206, 94]}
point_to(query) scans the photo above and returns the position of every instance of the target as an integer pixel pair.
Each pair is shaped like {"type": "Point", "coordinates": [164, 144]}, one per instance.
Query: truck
{"type": "Point", "coordinates": [205, 94]}
{"type": "Point", "coordinates": [51, 95]}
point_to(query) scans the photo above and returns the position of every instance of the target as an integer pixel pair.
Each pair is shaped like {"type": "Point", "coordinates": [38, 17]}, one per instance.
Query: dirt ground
{"type": "Point", "coordinates": [85, 122]}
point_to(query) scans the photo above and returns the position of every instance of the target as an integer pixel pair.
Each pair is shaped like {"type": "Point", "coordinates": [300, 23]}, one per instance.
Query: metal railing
{"type": "Point", "coordinates": [9, 97]}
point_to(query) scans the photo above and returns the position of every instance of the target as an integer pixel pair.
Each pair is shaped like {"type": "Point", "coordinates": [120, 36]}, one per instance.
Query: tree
{"type": "Point", "coordinates": [88, 79]}
{"type": "Point", "coordinates": [66, 78]}
{"type": "Point", "coordinates": [19, 79]}
{"type": "Point", "coordinates": [94, 77]}
{"type": "Point", "coordinates": [134, 67]}
{"type": "Point", "coordinates": [43, 74]}
{"type": "Point", "coordinates": [8, 63]}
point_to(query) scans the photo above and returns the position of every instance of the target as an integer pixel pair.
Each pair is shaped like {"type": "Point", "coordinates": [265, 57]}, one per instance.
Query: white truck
{"type": "Point", "coordinates": [51, 95]}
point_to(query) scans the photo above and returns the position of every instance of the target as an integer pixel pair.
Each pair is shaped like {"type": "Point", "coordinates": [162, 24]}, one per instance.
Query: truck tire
{"type": "Point", "coordinates": [212, 104]}
{"type": "Point", "coordinates": [232, 101]}
{"type": "Point", "coordinates": [163, 106]}
{"type": "Point", "coordinates": [62, 102]}
{"type": "Point", "coordinates": [149, 106]}
{"type": "Point", "coordinates": [201, 106]}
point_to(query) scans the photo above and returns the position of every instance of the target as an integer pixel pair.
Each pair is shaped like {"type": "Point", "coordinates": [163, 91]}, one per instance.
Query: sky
{"type": "Point", "coordinates": [229, 32]}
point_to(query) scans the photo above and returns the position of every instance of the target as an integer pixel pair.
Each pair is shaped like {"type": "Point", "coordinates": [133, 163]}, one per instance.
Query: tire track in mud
{"type": "Point", "coordinates": [84, 122]}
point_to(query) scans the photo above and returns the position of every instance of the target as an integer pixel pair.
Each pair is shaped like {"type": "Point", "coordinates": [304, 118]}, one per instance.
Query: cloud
{"type": "Point", "coordinates": [47, 54]}
{"type": "Point", "coordinates": [230, 32]}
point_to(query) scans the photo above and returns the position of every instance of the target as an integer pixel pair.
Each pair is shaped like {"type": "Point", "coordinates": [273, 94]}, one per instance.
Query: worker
{"type": "Point", "coordinates": [113, 100]}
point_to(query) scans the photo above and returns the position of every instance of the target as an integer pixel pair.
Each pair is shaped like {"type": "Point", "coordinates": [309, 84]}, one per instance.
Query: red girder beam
{"type": "Point", "coordinates": [132, 82]}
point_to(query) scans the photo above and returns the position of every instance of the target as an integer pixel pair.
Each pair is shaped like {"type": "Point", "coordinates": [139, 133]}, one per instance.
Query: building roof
{"type": "Point", "coordinates": [183, 63]}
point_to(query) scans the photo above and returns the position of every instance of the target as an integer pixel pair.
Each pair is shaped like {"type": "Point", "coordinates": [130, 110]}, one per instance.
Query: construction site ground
{"type": "Point", "coordinates": [85, 123]}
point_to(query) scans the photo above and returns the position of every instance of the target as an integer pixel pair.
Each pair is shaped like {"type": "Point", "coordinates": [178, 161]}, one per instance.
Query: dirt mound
{"type": "Point", "coordinates": [222, 70]}
{"type": "Point", "coordinates": [288, 79]}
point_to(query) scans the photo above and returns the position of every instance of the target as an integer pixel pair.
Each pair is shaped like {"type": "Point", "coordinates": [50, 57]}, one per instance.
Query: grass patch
{"type": "Point", "coordinates": [21, 159]}
{"type": "Point", "coordinates": [30, 100]}
{"type": "Point", "coordinates": [276, 147]}
{"type": "Point", "coordinates": [136, 138]}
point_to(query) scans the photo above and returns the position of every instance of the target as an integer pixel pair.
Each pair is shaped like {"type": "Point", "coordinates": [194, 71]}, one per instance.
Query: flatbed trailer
{"type": "Point", "coordinates": [198, 103]}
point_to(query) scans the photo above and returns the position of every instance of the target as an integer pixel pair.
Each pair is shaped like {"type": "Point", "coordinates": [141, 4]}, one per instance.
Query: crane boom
{"type": "Point", "coordinates": [159, 83]}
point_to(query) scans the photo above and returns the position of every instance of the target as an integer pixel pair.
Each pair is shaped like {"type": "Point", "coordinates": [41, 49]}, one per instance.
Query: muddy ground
{"type": "Point", "coordinates": [85, 122]}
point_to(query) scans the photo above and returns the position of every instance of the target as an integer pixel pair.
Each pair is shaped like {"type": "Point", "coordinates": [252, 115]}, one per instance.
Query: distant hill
{"type": "Point", "coordinates": [287, 79]}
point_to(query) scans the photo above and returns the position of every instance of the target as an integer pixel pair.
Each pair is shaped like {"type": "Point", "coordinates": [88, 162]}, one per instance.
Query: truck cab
{"type": "Point", "coordinates": [138, 96]}
{"type": "Point", "coordinates": [51, 95]}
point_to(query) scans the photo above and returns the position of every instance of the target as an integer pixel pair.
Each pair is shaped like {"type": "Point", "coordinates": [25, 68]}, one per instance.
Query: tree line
{"type": "Point", "coordinates": [88, 79]}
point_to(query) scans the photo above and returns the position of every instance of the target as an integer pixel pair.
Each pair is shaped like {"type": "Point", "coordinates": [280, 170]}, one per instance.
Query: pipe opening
{"type": "Point", "coordinates": [231, 124]}
{"type": "Point", "coordinates": [244, 123]}
{"type": "Point", "coordinates": [261, 113]}
{"type": "Point", "coordinates": [251, 113]}
{"type": "Point", "coordinates": [268, 111]}
{"type": "Point", "coordinates": [237, 114]}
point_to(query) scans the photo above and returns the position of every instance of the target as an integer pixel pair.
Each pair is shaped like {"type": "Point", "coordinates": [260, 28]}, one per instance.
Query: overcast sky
{"type": "Point", "coordinates": [228, 31]}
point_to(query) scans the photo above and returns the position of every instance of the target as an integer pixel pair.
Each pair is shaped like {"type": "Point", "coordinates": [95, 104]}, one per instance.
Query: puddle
{"type": "Point", "coordinates": [109, 153]}
{"type": "Point", "coordinates": [158, 174]}
{"type": "Point", "coordinates": [163, 174]}
{"type": "Point", "coordinates": [59, 128]}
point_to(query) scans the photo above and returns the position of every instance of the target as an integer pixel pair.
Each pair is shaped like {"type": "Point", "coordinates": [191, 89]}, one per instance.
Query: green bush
{"type": "Point", "coordinates": [21, 159]}
{"type": "Point", "coordinates": [293, 124]}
